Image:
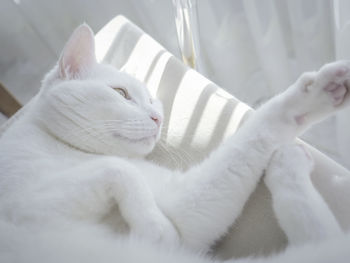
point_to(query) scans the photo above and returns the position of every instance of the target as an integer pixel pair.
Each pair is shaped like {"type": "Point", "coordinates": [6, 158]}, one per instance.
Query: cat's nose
{"type": "Point", "coordinates": [156, 120]}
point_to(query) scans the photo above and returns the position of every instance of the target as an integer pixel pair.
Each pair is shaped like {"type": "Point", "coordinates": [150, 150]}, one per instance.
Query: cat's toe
{"type": "Point", "coordinates": [322, 92]}
{"type": "Point", "coordinates": [158, 230]}
{"type": "Point", "coordinates": [333, 80]}
{"type": "Point", "coordinates": [337, 71]}
{"type": "Point", "coordinates": [337, 92]}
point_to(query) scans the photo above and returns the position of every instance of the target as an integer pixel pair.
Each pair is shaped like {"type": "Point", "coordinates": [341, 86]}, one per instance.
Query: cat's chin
{"type": "Point", "coordinates": [136, 146]}
{"type": "Point", "coordinates": [142, 140]}
{"type": "Point", "coordinates": [120, 146]}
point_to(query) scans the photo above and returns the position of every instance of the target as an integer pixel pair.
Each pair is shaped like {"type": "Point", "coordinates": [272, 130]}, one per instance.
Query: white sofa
{"type": "Point", "coordinates": [198, 117]}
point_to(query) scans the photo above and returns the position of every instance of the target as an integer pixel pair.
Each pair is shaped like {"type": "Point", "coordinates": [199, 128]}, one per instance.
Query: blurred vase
{"type": "Point", "coordinates": [186, 20]}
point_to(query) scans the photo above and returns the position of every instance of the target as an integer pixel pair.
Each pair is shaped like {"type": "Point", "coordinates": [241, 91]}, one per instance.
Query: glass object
{"type": "Point", "coordinates": [186, 21]}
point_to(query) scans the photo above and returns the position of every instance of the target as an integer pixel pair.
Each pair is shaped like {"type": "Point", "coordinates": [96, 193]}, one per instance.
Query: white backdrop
{"type": "Point", "coordinates": [255, 49]}
{"type": "Point", "coordinates": [252, 48]}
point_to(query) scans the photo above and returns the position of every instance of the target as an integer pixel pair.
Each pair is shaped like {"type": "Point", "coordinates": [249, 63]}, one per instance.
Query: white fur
{"type": "Point", "coordinates": [75, 158]}
{"type": "Point", "coordinates": [300, 209]}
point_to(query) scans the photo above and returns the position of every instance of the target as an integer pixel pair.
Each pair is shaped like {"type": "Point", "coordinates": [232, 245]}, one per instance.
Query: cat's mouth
{"type": "Point", "coordinates": [136, 140]}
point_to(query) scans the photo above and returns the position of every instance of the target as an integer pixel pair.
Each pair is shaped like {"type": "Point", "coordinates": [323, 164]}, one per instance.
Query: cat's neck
{"type": "Point", "coordinates": [29, 136]}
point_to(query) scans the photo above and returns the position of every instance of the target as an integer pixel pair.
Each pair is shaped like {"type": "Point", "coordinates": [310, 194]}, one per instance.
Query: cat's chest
{"type": "Point", "coordinates": [155, 176]}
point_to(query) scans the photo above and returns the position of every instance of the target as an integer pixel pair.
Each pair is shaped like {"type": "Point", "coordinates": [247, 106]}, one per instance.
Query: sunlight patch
{"type": "Point", "coordinates": [157, 73]}
{"type": "Point", "coordinates": [142, 57]}
{"type": "Point", "coordinates": [188, 93]}
{"type": "Point", "coordinates": [236, 118]}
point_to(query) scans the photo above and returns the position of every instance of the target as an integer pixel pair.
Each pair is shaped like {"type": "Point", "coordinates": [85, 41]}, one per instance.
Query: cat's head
{"type": "Point", "coordinates": [96, 108]}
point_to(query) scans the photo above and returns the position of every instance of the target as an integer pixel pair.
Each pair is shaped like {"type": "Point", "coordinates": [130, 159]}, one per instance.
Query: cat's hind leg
{"type": "Point", "coordinates": [300, 209]}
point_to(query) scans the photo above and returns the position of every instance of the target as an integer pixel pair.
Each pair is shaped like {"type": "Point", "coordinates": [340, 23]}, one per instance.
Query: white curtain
{"type": "Point", "coordinates": [257, 48]}
{"type": "Point", "coordinates": [342, 51]}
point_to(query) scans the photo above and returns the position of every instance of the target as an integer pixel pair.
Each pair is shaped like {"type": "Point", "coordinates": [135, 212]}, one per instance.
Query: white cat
{"type": "Point", "coordinates": [77, 153]}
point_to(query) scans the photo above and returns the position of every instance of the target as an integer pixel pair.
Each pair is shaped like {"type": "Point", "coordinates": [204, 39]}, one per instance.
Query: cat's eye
{"type": "Point", "coordinates": [122, 92]}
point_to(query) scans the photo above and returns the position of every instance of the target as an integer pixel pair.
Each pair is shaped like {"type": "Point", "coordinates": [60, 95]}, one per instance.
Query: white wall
{"type": "Point", "coordinates": [33, 32]}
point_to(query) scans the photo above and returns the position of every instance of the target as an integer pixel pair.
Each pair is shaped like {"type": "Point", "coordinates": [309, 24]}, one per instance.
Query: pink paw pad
{"type": "Point", "coordinates": [331, 87]}
{"type": "Point", "coordinates": [341, 71]}
{"type": "Point", "coordinates": [337, 91]}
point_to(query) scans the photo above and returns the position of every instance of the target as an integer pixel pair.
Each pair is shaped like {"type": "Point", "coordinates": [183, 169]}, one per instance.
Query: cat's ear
{"type": "Point", "coordinates": [78, 54]}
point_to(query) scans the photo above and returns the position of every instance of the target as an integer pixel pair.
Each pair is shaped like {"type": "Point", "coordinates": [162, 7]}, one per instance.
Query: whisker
{"type": "Point", "coordinates": [88, 131]}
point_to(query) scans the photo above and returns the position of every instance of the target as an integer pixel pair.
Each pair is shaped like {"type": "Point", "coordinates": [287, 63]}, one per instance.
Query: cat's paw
{"type": "Point", "coordinates": [321, 93]}
{"type": "Point", "coordinates": [290, 164]}
{"type": "Point", "coordinates": [158, 230]}
{"type": "Point", "coordinates": [332, 80]}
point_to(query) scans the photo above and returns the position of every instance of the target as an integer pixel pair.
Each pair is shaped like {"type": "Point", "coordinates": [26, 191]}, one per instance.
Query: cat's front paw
{"type": "Point", "coordinates": [291, 164]}
{"type": "Point", "coordinates": [321, 93]}
{"type": "Point", "coordinates": [158, 230]}
{"type": "Point", "coordinates": [332, 81]}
